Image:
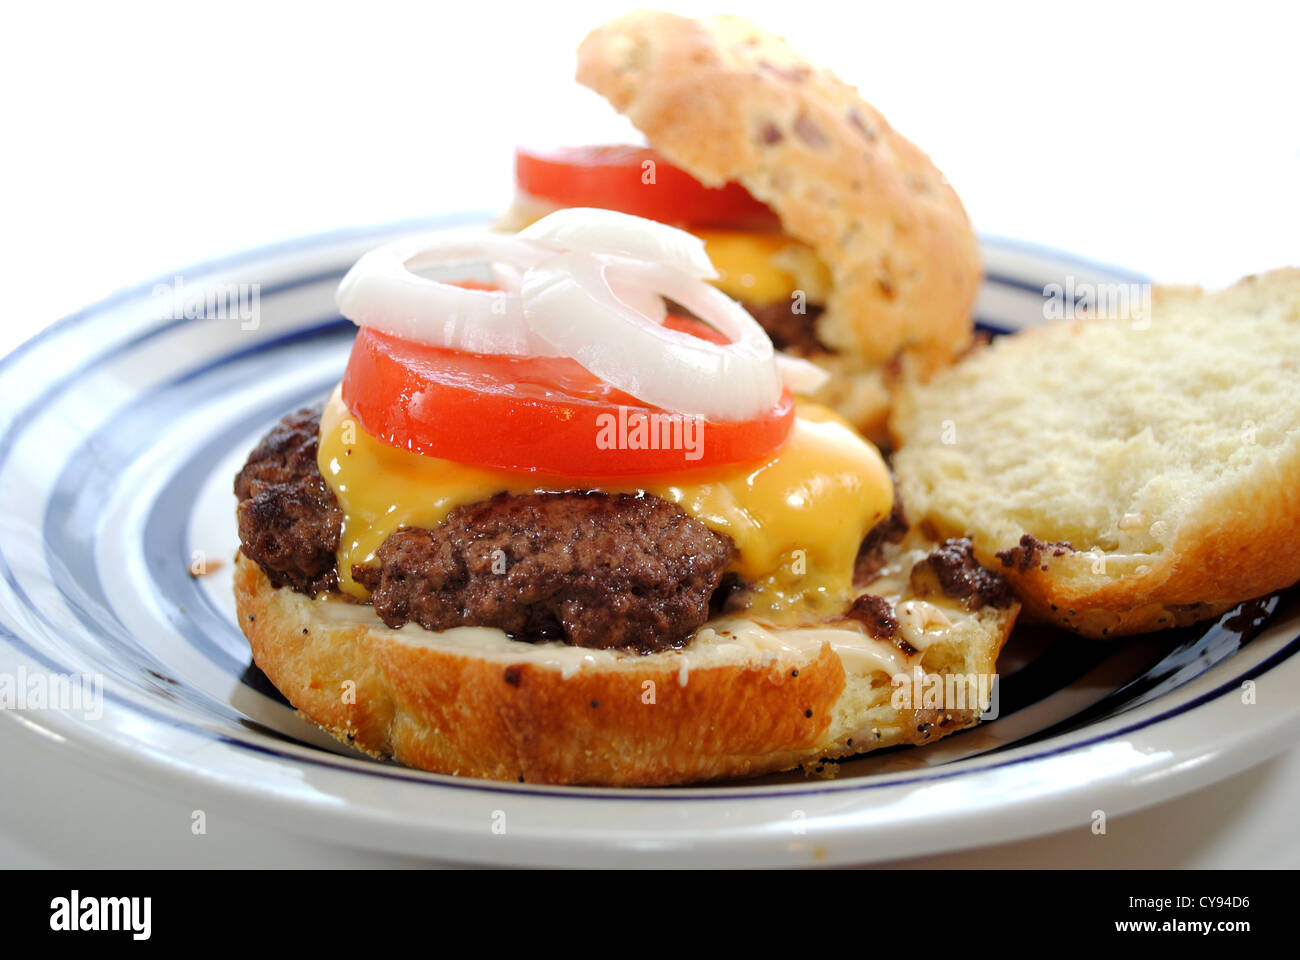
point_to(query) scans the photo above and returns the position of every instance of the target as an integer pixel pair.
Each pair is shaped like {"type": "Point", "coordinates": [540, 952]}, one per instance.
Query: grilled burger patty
{"type": "Point", "coordinates": [591, 569]}
{"type": "Point", "coordinates": [790, 331]}
{"type": "Point", "coordinates": [289, 520]}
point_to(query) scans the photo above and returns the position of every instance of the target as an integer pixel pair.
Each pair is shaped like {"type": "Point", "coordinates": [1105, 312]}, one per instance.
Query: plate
{"type": "Point", "coordinates": [122, 429]}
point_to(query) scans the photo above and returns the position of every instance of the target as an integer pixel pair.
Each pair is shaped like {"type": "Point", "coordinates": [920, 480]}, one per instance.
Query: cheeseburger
{"type": "Point", "coordinates": [836, 233]}
{"type": "Point", "coordinates": [569, 517]}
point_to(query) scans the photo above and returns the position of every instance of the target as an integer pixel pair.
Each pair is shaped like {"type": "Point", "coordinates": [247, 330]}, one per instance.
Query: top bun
{"type": "Point", "coordinates": [727, 101]}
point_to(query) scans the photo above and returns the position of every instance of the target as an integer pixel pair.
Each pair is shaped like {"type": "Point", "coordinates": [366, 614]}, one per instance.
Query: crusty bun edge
{"type": "Point", "coordinates": [1216, 561]}
{"type": "Point", "coordinates": [440, 710]}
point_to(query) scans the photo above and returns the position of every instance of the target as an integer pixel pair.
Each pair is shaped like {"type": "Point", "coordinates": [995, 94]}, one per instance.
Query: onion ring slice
{"type": "Point", "coordinates": [382, 291]}
{"type": "Point", "coordinates": [578, 304]}
{"type": "Point", "coordinates": [610, 233]}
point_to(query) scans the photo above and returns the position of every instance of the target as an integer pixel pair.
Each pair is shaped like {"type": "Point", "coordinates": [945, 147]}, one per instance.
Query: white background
{"type": "Point", "coordinates": [138, 138]}
{"type": "Point", "coordinates": [143, 137]}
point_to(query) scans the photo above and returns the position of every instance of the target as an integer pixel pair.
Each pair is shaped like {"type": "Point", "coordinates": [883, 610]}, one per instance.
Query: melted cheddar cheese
{"type": "Point", "coordinates": [796, 518]}
{"type": "Point", "coordinates": [763, 268]}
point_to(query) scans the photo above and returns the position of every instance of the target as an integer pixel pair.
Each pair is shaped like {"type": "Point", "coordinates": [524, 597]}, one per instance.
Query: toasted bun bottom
{"type": "Point", "coordinates": [421, 699]}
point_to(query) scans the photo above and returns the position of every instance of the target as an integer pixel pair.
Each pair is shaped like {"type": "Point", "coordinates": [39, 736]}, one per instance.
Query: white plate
{"type": "Point", "coordinates": [122, 429]}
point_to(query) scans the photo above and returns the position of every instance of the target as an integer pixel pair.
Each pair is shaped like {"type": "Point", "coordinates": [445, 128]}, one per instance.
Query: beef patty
{"type": "Point", "coordinates": [289, 520]}
{"type": "Point", "coordinates": [590, 569]}
{"type": "Point", "coordinates": [790, 331]}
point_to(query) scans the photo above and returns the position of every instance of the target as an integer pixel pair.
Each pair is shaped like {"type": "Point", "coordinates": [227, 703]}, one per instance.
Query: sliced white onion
{"type": "Point", "coordinates": [586, 284]}
{"type": "Point", "coordinates": [801, 376]}
{"type": "Point", "coordinates": [643, 300]}
{"type": "Point", "coordinates": [383, 292]}
{"type": "Point", "coordinates": [608, 232]}
{"type": "Point", "coordinates": [580, 305]}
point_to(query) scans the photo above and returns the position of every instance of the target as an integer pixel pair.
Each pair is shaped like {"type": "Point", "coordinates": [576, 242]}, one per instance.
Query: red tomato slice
{"type": "Point", "coordinates": [537, 414]}
{"type": "Point", "coordinates": [615, 177]}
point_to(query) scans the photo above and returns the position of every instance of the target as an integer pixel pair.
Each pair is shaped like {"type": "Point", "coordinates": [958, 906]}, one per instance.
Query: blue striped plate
{"type": "Point", "coordinates": [123, 427]}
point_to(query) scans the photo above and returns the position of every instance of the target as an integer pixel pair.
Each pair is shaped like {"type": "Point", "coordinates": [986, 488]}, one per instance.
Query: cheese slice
{"type": "Point", "coordinates": [796, 518]}
{"type": "Point", "coordinates": [764, 268]}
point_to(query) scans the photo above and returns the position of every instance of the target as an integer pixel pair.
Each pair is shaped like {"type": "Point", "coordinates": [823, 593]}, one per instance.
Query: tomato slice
{"type": "Point", "coordinates": [543, 415]}
{"type": "Point", "coordinates": [615, 177]}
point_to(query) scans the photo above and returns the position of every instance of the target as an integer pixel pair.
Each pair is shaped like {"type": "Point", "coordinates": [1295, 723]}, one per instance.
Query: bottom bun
{"type": "Point", "coordinates": [737, 701]}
